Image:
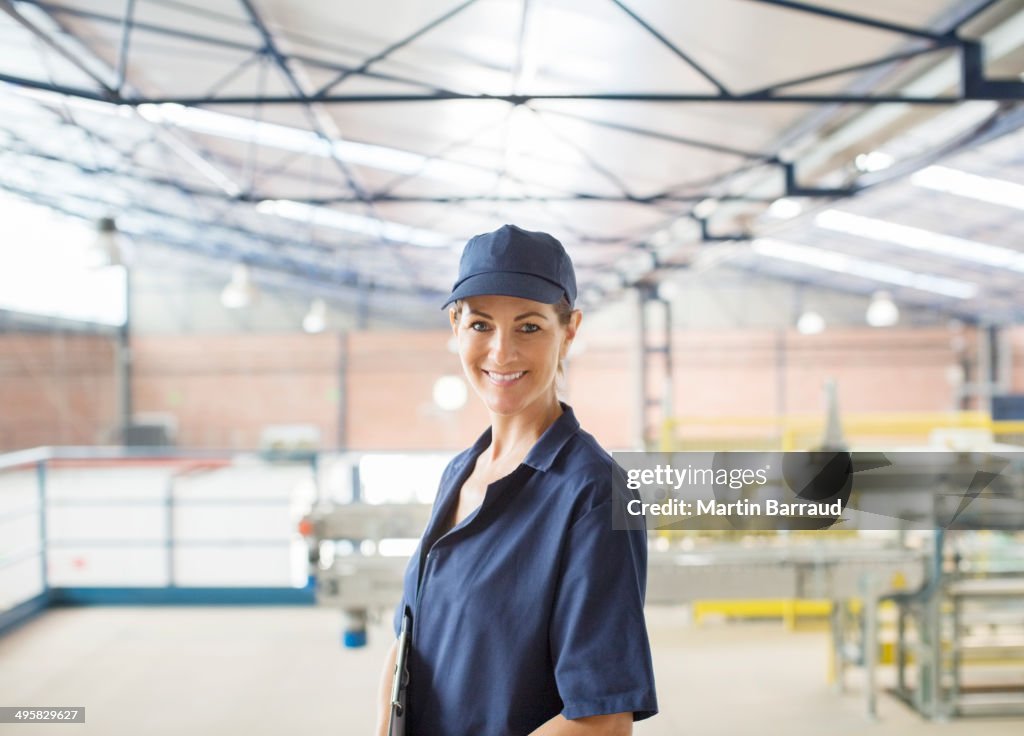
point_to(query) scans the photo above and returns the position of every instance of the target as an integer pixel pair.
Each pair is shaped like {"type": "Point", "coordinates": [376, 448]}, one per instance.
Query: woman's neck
{"type": "Point", "coordinates": [513, 436]}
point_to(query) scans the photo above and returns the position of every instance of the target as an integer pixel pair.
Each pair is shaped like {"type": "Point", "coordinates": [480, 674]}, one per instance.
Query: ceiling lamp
{"type": "Point", "coordinates": [785, 208]}
{"type": "Point", "coordinates": [810, 323]}
{"type": "Point", "coordinates": [849, 265]}
{"type": "Point", "coordinates": [917, 238]}
{"type": "Point", "coordinates": [669, 290]}
{"type": "Point", "coordinates": [104, 249]}
{"type": "Point", "coordinates": [450, 393]}
{"type": "Point", "coordinates": [964, 184]}
{"type": "Point", "coordinates": [705, 208]}
{"type": "Point", "coordinates": [874, 161]}
{"type": "Point", "coordinates": [240, 291]}
{"type": "Point", "coordinates": [299, 140]}
{"type": "Point", "coordinates": [882, 311]}
{"type": "Point", "coordinates": [315, 320]}
{"type": "Point", "coordinates": [351, 222]}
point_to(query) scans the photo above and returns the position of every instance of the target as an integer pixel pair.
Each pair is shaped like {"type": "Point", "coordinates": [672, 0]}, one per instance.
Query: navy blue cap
{"type": "Point", "coordinates": [515, 262]}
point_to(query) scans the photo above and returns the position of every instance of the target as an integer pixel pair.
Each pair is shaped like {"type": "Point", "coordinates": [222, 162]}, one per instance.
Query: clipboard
{"type": "Point", "coordinates": [400, 679]}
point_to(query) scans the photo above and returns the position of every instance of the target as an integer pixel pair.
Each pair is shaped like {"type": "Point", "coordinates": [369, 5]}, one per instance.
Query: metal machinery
{"type": "Point", "coordinates": [363, 580]}
{"type": "Point", "coordinates": [957, 640]}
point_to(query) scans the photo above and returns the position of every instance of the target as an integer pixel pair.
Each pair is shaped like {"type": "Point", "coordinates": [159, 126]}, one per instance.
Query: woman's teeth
{"type": "Point", "coordinates": [504, 377]}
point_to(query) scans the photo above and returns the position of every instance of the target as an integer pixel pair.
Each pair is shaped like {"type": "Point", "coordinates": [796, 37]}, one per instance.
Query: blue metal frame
{"type": "Point", "coordinates": [23, 613]}
{"type": "Point", "coordinates": [180, 596]}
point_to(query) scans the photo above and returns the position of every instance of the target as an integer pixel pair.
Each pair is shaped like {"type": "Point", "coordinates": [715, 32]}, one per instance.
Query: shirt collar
{"type": "Point", "coordinates": [543, 453]}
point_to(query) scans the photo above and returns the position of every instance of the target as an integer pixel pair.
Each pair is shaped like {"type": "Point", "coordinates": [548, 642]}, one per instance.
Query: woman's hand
{"type": "Point", "coordinates": [613, 724]}
{"type": "Point", "coordinates": [384, 691]}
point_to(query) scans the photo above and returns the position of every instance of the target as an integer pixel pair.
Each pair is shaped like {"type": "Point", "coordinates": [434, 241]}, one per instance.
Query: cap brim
{"type": "Point", "coordinates": [522, 285]}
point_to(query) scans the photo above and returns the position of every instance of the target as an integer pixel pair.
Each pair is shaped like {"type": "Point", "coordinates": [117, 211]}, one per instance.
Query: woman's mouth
{"type": "Point", "coordinates": [504, 379]}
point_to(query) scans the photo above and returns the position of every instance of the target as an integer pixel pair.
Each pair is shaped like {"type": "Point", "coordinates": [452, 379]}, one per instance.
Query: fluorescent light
{"type": "Point", "coordinates": [705, 208]}
{"type": "Point", "coordinates": [240, 291]}
{"type": "Point", "coordinates": [104, 250]}
{"type": "Point", "coordinates": [327, 217]}
{"type": "Point", "coordinates": [785, 208]}
{"type": "Point", "coordinates": [882, 310]}
{"type": "Point", "coordinates": [308, 142]}
{"type": "Point", "coordinates": [874, 161]}
{"type": "Point", "coordinates": [841, 263]}
{"type": "Point", "coordinates": [810, 323]}
{"type": "Point", "coordinates": [315, 320]}
{"type": "Point", "coordinates": [918, 239]}
{"type": "Point", "coordinates": [669, 290]}
{"type": "Point", "coordinates": [963, 184]}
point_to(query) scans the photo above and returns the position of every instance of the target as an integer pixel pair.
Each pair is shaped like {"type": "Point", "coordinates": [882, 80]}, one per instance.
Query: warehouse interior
{"type": "Point", "coordinates": [228, 390]}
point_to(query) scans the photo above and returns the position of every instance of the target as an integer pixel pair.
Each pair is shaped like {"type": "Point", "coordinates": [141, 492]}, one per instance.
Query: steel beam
{"type": "Point", "coordinates": [194, 37]}
{"type": "Point", "coordinates": [594, 165]}
{"type": "Point", "coordinates": [386, 52]}
{"type": "Point", "coordinates": [863, 66]}
{"type": "Point", "coordinates": [976, 86]}
{"type": "Point", "coordinates": [270, 46]}
{"type": "Point", "coordinates": [722, 90]}
{"type": "Point", "coordinates": [793, 189]}
{"type": "Point", "coordinates": [860, 20]}
{"type": "Point", "coordinates": [253, 198]}
{"type": "Point", "coordinates": [659, 135]}
{"type": "Point", "coordinates": [8, 7]}
{"type": "Point", "coordinates": [979, 89]}
{"type": "Point", "coordinates": [221, 250]}
{"type": "Point", "coordinates": [126, 34]}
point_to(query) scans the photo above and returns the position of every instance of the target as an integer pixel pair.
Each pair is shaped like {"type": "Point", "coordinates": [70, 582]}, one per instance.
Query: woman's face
{"type": "Point", "coordinates": [510, 348]}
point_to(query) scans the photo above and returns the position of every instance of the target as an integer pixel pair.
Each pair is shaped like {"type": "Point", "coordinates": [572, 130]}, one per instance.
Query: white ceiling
{"type": "Point", "coordinates": [610, 177]}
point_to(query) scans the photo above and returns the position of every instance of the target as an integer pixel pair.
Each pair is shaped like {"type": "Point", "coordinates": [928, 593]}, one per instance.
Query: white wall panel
{"type": "Point", "coordinates": [114, 566]}
{"type": "Point", "coordinates": [103, 523]}
{"type": "Point", "coordinates": [233, 567]}
{"type": "Point", "coordinates": [239, 522]}
{"type": "Point", "coordinates": [20, 581]}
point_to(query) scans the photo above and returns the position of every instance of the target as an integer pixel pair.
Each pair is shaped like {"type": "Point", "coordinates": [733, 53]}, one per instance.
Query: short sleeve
{"type": "Point", "coordinates": [598, 635]}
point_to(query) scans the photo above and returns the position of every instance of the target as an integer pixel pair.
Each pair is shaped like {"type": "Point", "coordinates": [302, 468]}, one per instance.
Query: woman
{"type": "Point", "coordinates": [526, 606]}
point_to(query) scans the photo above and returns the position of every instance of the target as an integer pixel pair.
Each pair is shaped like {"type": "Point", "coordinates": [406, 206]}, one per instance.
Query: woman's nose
{"type": "Point", "coordinates": [502, 347]}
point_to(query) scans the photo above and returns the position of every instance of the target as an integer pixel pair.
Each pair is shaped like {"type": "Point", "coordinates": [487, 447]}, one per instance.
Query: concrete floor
{"type": "Point", "coordinates": [272, 671]}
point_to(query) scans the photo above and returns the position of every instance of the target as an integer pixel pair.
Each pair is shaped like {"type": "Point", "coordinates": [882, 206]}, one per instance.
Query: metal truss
{"type": "Point", "coordinates": [973, 85]}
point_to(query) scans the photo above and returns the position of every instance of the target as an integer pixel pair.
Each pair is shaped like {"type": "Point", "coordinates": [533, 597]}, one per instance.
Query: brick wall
{"type": "Point", "coordinates": [1017, 350]}
{"type": "Point", "coordinates": [225, 389]}
{"type": "Point", "coordinates": [56, 389]}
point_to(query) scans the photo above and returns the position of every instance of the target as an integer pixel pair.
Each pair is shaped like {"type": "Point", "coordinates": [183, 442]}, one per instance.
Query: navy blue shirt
{"type": "Point", "coordinates": [531, 606]}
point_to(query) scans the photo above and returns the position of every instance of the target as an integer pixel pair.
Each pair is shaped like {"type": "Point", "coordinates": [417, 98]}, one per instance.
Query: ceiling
{"type": "Point", "coordinates": [351, 147]}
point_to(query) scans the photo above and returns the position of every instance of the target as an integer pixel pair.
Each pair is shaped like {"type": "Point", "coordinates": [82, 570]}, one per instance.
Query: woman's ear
{"type": "Point", "coordinates": [570, 331]}
{"type": "Point", "coordinates": [454, 320]}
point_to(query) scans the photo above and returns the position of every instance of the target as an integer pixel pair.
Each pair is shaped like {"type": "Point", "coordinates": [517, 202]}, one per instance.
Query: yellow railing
{"type": "Point", "coordinates": [805, 432]}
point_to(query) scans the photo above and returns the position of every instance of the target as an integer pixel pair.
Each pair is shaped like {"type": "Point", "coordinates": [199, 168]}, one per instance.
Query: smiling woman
{"type": "Point", "coordinates": [530, 337]}
{"type": "Point", "coordinates": [522, 607]}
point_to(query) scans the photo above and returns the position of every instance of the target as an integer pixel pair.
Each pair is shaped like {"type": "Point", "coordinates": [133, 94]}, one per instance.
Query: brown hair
{"type": "Point", "coordinates": [562, 310]}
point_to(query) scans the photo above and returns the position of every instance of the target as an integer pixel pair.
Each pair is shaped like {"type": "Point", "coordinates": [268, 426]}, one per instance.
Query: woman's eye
{"type": "Point", "coordinates": [530, 327]}
{"type": "Point", "coordinates": [478, 326]}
